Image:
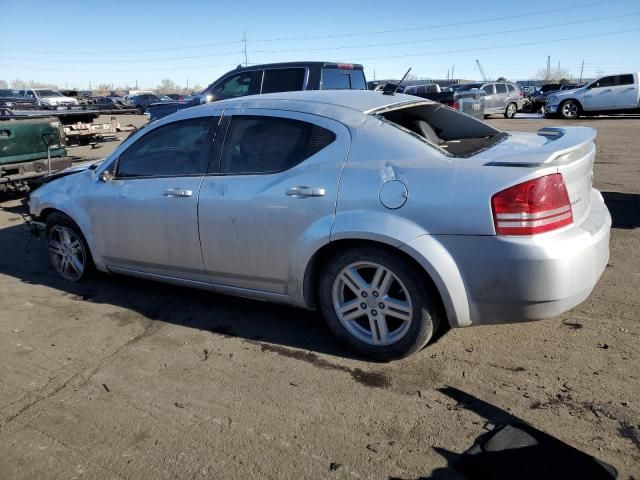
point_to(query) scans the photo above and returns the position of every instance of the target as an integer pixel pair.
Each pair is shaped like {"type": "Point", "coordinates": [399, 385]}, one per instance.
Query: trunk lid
{"type": "Point", "coordinates": [569, 150]}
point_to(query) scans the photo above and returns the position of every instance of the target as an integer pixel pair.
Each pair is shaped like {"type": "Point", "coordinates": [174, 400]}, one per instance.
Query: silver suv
{"type": "Point", "coordinates": [502, 97]}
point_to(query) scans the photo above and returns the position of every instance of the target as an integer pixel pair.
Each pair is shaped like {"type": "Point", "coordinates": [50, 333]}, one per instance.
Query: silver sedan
{"type": "Point", "coordinates": [393, 215]}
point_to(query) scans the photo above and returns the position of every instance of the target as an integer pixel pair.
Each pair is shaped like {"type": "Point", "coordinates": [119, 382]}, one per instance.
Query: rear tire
{"type": "Point", "coordinates": [140, 110]}
{"type": "Point", "coordinates": [569, 110]}
{"type": "Point", "coordinates": [69, 253]}
{"type": "Point", "coordinates": [377, 304]}
{"type": "Point", "coordinates": [511, 110]}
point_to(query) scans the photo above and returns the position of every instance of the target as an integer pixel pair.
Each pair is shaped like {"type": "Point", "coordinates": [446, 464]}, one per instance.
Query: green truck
{"type": "Point", "coordinates": [30, 148]}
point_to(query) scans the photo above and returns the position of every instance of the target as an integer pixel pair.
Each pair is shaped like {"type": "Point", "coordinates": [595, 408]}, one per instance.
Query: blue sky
{"type": "Point", "coordinates": [147, 41]}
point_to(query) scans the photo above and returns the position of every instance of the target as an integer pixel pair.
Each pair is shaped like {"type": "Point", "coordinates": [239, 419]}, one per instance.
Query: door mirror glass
{"type": "Point", "coordinates": [106, 176]}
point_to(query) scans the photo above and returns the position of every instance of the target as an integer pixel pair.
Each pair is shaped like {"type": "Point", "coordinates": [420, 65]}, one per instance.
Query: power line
{"type": "Point", "coordinates": [496, 47]}
{"type": "Point", "coordinates": [456, 37]}
{"type": "Point", "coordinates": [177, 67]}
{"type": "Point", "coordinates": [443, 25]}
{"type": "Point", "coordinates": [324, 36]}
{"type": "Point", "coordinates": [137, 60]}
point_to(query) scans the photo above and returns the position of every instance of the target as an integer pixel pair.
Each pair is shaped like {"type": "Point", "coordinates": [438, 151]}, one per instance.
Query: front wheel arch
{"type": "Point", "coordinates": [578, 104]}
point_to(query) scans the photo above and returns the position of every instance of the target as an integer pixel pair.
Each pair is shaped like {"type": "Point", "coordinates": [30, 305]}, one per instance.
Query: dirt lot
{"type": "Point", "coordinates": [122, 378]}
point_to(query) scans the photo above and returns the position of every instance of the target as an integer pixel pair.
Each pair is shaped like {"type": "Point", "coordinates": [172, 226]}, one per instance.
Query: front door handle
{"type": "Point", "coordinates": [178, 192]}
{"type": "Point", "coordinates": [304, 192]}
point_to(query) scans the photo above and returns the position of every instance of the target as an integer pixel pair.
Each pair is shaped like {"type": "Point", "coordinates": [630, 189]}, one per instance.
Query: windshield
{"type": "Point", "coordinates": [48, 93]}
{"type": "Point", "coordinates": [467, 86]}
{"type": "Point", "coordinates": [164, 98]}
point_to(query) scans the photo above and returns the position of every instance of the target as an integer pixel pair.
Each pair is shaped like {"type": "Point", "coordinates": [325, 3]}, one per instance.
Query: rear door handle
{"type": "Point", "coordinates": [178, 192]}
{"type": "Point", "coordinates": [303, 192]}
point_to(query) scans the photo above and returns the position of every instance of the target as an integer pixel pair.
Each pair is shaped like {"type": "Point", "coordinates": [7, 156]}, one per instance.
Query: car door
{"type": "Point", "coordinates": [502, 97]}
{"type": "Point", "coordinates": [490, 98]}
{"type": "Point", "coordinates": [274, 192]}
{"type": "Point", "coordinates": [145, 219]}
{"type": "Point", "coordinates": [600, 95]}
{"type": "Point", "coordinates": [626, 92]}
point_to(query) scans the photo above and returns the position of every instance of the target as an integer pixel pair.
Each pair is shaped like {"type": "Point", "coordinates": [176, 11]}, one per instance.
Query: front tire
{"type": "Point", "coordinates": [140, 110]}
{"type": "Point", "coordinates": [377, 303]}
{"type": "Point", "coordinates": [69, 253]}
{"type": "Point", "coordinates": [569, 110]}
{"type": "Point", "coordinates": [511, 110]}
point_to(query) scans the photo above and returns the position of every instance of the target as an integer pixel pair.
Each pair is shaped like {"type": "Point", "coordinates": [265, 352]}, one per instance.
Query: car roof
{"type": "Point", "coordinates": [354, 66]}
{"type": "Point", "coordinates": [363, 101]}
{"type": "Point", "coordinates": [346, 106]}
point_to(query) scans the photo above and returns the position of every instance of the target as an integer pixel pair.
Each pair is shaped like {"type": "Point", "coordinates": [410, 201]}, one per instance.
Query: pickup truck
{"type": "Point", "coordinates": [271, 78]}
{"type": "Point", "coordinates": [606, 95]}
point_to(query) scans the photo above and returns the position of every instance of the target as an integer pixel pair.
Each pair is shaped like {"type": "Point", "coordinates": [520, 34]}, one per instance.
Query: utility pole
{"type": "Point", "coordinates": [548, 67]}
{"type": "Point", "coordinates": [453, 67]}
{"type": "Point", "coordinates": [187, 84]}
{"type": "Point", "coordinates": [447, 74]}
{"type": "Point", "coordinates": [244, 48]}
{"type": "Point", "coordinates": [581, 70]}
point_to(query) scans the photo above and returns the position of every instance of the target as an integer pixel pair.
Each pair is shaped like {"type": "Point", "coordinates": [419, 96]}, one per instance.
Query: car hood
{"type": "Point", "coordinates": [179, 103]}
{"type": "Point", "coordinates": [566, 93]}
{"type": "Point", "coordinates": [57, 99]}
{"type": "Point", "coordinates": [82, 167]}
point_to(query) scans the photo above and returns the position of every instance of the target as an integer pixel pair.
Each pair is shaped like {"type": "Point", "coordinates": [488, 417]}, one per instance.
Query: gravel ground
{"type": "Point", "coordinates": [122, 378]}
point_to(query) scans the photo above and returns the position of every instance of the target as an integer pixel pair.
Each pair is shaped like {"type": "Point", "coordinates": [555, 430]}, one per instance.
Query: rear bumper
{"type": "Point", "coordinates": [516, 279]}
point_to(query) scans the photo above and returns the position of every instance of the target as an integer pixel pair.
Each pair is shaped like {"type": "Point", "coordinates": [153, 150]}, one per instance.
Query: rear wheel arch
{"type": "Point", "coordinates": [323, 255]}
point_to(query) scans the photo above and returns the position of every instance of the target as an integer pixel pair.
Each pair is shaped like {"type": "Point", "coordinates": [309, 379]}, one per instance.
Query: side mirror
{"type": "Point", "coordinates": [106, 176]}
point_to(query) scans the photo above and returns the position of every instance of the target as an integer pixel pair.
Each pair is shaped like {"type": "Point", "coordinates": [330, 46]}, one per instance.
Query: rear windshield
{"type": "Point", "coordinates": [342, 79]}
{"type": "Point", "coordinates": [449, 130]}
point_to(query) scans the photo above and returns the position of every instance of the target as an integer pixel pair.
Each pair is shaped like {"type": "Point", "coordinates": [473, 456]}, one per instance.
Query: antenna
{"type": "Point", "coordinates": [399, 83]}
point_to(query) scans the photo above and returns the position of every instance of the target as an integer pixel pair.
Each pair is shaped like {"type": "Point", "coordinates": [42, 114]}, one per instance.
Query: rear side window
{"type": "Point", "coordinates": [501, 88]}
{"type": "Point", "coordinates": [176, 149]}
{"type": "Point", "coordinates": [604, 82]}
{"type": "Point", "coordinates": [342, 79]}
{"type": "Point", "coordinates": [283, 80]}
{"type": "Point", "coordinates": [257, 144]}
{"type": "Point", "coordinates": [625, 79]}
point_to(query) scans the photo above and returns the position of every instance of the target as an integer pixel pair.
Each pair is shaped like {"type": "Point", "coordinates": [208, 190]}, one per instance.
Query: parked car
{"type": "Point", "coordinates": [23, 151]}
{"type": "Point", "coordinates": [141, 102]}
{"type": "Point", "coordinates": [13, 100]}
{"type": "Point", "coordinates": [606, 95]}
{"type": "Point", "coordinates": [501, 97]}
{"type": "Point", "coordinates": [47, 98]}
{"type": "Point", "coordinates": [471, 102]}
{"type": "Point", "coordinates": [389, 213]}
{"type": "Point", "coordinates": [175, 96]}
{"type": "Point", "coordinates": [271, 78]}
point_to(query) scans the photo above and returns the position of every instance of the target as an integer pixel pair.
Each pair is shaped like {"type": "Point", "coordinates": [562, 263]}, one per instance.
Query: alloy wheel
{"type": "Point", "coordinates": [67, 253]}
{"type": "Point", "coordinates": [372, 303]}
{"type": "Point", "coordinates": [569, 110]}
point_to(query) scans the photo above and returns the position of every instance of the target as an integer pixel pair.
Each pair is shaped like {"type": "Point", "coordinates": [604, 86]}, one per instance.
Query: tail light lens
{"type": "Point", "coordinates": [536, 206]}
{"type": "Point", "coordinates": [455, 106]}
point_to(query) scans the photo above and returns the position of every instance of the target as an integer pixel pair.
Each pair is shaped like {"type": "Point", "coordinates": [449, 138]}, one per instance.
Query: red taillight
{"type": "Point", "coordinates": [455, 106]}
{"type": "Point", "coordinates": [345, 66]}
{"type": "Point", "coordinates": [532, 207]}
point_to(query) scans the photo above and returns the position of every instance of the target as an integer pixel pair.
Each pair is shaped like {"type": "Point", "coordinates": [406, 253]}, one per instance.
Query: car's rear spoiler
{"type": "Point", "coordinates": [562, 146]}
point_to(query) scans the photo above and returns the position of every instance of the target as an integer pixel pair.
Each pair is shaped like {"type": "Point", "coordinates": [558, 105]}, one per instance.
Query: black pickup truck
{"type": "Point", "coordinates": [271, 78]}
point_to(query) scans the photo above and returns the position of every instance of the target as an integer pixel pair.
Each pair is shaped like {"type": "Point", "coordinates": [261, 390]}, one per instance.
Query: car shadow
{"type": "Point", "coordinates": [221, 314]}
{"type": "Point", "coordinates": [624, 209]}
{"type": "Point", "coordinates": [513, 449]}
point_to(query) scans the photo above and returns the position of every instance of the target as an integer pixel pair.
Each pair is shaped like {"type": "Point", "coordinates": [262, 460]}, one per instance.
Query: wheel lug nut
{"type": "Point", "coordinates": [363, 305]}
{"type": "Point", "coordinates": [364, 294]}
{"type": "Point", "coordinates": [374, 312]}
{"type": "Point", "coordinates": [381, 305]}
{"type": "Point", "coordinates": [375, 294]}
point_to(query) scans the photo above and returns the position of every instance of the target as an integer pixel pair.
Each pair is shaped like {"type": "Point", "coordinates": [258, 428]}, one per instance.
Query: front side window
{"type": "Point", "coordinates": [237, 86]}
{"type": "Point", "coordinates": [488, 89]}
{"type": "Point", "coordinates": [175, 149]}
{"type": "Point", "coordinates": [283, 80]}
{"type": "Point", "coordinates": [604, 82]}
{"type": "Point", "coordinates": [257, 144]}
{"type": "Point", "coordinates": [511, 87]}
{"type": "Point", "coordinates": [501, 88]}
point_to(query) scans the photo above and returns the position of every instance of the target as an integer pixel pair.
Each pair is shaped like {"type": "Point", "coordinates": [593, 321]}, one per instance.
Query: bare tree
{"type": "Point", "coordinates": [4, 84]}
{"type": "Point", "coordinates": [167, 86]}
{"type": "Point", "coordinates": [553, 75]}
